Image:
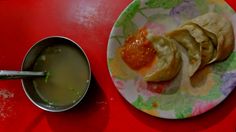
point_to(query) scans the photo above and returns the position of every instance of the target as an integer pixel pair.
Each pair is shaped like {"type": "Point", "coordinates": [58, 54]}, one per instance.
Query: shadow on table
{"type": "Point", "coordinates": [197, 123]}
{"type": "Point", "coordinates": [91, 114]}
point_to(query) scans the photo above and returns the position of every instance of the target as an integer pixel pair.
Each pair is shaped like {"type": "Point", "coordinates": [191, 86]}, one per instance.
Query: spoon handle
{"type": "Point", "coordinates": [5, 74]}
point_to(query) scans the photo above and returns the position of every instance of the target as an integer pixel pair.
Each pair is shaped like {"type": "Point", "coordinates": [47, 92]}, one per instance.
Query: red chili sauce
{"type": "Point", "coordinates": [137, 51]}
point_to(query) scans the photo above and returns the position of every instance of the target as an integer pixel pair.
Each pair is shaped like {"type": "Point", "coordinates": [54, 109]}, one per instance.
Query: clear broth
{"type": "Point", "coordinates": [68, 75]}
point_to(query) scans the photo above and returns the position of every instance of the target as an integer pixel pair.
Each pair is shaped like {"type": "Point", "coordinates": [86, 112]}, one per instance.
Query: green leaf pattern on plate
{"type": "Point", "coordinates": [166, 4]}
{"type": "Point", "coordinates": [202, 5]}
{"type": "Point", "coordinates": [140, 103]}
{"type": "Point", "coordinates": [214, 93]}
{"type": "Point", "coordinates": [129, 27]}
{"type": "Point", "coordinates": [227, 65]}
{"type": "Point", "coordinates": [128, 14]}
{"type": "Point", "coordinates": [223, 8]}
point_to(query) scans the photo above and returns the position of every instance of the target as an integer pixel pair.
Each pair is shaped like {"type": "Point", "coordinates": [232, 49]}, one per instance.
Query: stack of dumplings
{"type": "Point", "coordinates": [207, 39]}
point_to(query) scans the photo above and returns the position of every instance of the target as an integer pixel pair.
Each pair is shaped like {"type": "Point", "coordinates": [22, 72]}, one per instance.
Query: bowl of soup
{"type": "Point", "coordinates": [68, 74]}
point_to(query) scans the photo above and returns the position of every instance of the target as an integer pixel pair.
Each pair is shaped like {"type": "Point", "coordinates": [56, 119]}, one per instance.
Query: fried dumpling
{"type": "Point", "coordinates": [204, 40]}
{"type": "Point", "coordinates": [206, 45]}
{"type": "Point", "coordinates": [220, 31]}
{"type": "Point", "coordinates": [183, 37]}
{"type": "Point", "coordinates": [168, 62]}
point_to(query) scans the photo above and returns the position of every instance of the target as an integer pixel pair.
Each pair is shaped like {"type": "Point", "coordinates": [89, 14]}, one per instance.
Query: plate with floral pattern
{"type": "Point", "coordinates": [213, 83]}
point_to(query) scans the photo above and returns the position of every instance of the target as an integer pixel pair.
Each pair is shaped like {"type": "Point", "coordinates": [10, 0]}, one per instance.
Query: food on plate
{"type": "Point", "coordinates": [211, 34]}
{"type": "Point", "coordinates": [220, 30]}
{"type": "Point", "coordinates": [156, 58]}
{"type": "Point", "coordinates": [183, 37]}
{"type": "Point", "coordinates": [168, 60]}
{"type": "Point", "coordinates": [206, 45]}
{"type": "Point", "coordinates": [137, 51]}
{"type": "Point", "coordinates": [206, 39]}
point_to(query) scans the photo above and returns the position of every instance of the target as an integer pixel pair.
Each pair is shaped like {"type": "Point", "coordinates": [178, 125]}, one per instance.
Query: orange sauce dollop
{"type": "Point", "coordinates": [137, 51]}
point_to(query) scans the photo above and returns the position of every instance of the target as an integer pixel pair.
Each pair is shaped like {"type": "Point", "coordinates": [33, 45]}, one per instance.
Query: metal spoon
{"type": "Point", "coordinates": [6, 74]}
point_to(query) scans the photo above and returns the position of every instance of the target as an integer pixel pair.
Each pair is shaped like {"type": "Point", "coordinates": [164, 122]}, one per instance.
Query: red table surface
{"type": "Point", "coordinates": [88, 22]}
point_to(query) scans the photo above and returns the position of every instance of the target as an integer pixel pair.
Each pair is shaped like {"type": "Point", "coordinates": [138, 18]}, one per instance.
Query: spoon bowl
{"type": "Point", "coordinates": [51, 92]}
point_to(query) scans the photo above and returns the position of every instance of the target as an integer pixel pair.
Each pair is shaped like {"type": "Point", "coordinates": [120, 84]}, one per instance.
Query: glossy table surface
{"type": "Point", "coordinates": [88, 22]}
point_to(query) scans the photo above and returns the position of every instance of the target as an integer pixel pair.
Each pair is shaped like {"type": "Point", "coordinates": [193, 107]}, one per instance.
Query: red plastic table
{"type": "Point", "coordinates": [88, 22]}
